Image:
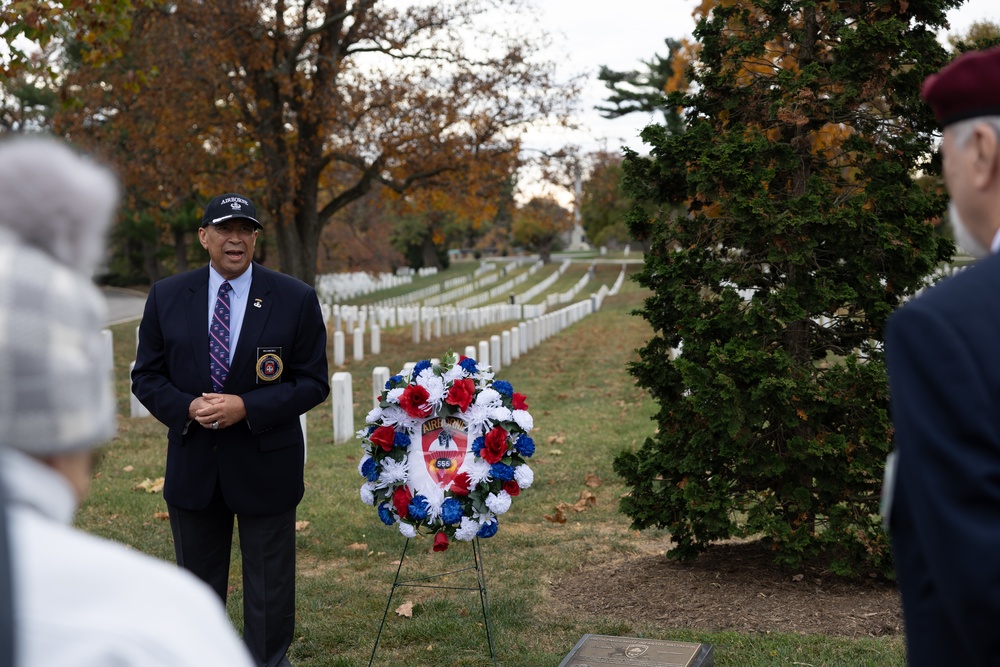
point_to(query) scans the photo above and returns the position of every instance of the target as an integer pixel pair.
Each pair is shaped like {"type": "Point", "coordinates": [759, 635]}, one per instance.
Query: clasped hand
{"type": "Point", "coordinates": [226, 409]}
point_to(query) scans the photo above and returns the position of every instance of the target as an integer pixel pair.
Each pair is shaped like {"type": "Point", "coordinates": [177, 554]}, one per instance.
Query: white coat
{"type": "Point", "coordinates": [84, 601]}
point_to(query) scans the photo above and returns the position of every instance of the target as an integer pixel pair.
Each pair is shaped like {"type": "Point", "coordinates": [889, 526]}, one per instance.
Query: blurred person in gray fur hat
{"type": "Point", "coordinates": [77, 599]}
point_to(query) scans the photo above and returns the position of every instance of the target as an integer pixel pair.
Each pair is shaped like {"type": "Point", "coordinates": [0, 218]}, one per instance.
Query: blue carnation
{"type": "Point", "coordinates": [371, 429]}
{"type": "Point", "coordinates": [420, 366]}
{"type": "Point", "coordinates": [370, 470]}
{"type": "Point", "coordinates": [393, 380]}
{"type": "Point", "coordinates": [419, 508]}
{"type": "Point", "coordinates": [477, 445]}
{"type": "Point", "coordinates": [503, 387]}
{"type": "Point", "coordinates": [469, 365]}
{"type": "Point", "coordinates": [401, 439]}
{"type": "Point", "coordinates": [385, 514]}
{"type": "Point", "coordinates": [451, 511]}
{"type": "Point", "coordinates": [525, 445]}
{"type": "Point", "coordinates": [488, 529]}
{"type": "Point", "coordinates": [502, 471]}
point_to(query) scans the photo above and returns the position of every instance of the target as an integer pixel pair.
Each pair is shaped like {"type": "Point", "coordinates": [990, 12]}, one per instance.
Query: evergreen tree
{"type": "Point", "coordinates": [642, 90]}
{"type": "Point", "coordinates": [802, 229]}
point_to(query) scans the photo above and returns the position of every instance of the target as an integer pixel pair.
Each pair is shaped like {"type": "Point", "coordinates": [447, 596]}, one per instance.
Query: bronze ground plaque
{"type": "Point", "coordinates": [594, 650]}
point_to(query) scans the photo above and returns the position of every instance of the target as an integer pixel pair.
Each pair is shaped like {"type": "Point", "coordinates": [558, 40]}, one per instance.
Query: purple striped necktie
{"type": "Point", "coordinates": [218, 339]}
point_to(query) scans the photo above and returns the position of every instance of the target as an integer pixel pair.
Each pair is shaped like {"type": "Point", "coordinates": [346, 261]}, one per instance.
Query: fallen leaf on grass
{"type": "Point", "coordinates": [405, 609]}
{"type": "Point", "coordinates": [301, 525]}
{"type": "Point", "coordinates": [556, 439]}
{"type": "Point", "coordinates": [593, 481]}
{"type": "Point", "coordinates": [162, 516]}
{"type": "Point", "coordinates": [555, 452]}
{"type": "Point", "coordinates": [559, 516]}
{"type": "Point", "coordinates": [149, 485]}
{"type": "Point", "coordinates": [128, 469]}
{"type": "Point", "coordinates": [587, 499]}
{"type": "Point", "coordinates": [357, 546]}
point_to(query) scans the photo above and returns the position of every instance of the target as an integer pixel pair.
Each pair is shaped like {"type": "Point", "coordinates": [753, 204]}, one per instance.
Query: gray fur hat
{"type": "Point", "coordinates": [55, 210]}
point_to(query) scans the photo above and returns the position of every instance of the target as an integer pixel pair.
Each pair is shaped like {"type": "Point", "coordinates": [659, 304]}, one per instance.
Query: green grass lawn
{"type": "Point", "coordinates": [586, 409]}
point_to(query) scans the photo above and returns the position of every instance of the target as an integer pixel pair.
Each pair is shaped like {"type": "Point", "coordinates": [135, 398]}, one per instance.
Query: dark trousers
{"type": "Point", "coordinates": [203, 541]}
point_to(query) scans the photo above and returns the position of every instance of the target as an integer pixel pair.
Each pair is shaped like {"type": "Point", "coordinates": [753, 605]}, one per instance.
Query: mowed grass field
{"type": "Point", "coordinates": [586, 409]}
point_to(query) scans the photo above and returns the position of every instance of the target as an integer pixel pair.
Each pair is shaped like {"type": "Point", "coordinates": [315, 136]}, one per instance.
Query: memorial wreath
{"type": "Point", "coordinates": [445, 451]}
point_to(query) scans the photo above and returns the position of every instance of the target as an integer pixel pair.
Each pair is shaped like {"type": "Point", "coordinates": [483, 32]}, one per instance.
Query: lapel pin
{"type": "Point", "coordinates": [256, 303]}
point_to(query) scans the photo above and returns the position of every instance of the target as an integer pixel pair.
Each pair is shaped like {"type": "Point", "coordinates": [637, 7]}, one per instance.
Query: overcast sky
{"type": "Point", "coordinates": [623, 33]}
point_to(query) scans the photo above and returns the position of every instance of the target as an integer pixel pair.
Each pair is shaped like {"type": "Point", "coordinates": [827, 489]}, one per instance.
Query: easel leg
{"type": "Point", "coordinates": [388, 603]}
{"type": "Point", "coordinates": [477, 556]}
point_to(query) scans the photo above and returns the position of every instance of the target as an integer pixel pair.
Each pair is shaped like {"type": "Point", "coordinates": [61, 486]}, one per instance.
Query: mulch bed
{"type": "Point", "coordinates": [733, 586]}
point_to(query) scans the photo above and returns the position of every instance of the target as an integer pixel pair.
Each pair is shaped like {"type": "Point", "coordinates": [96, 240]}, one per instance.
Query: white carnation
{"type": "Point", "coordinates": [393, 395]}
{"type": "Point", "coordinates": [524, 419]}
{"type": "Point", "coordinates": [498, 502]}
{"type": "Point", "coordinates": [367, 495]}
{"type": "Point", "coordinates": [524, 476]}
{"type": "Point", "coordinates": [435, 498]}
{"type": "Point", "coordinates": [478, 471]}
{"type": "Point", "coordinates": [407, 530]}
{"type": "Point", "coordinates": [373, 416]}
{"type": "Point", "coordinates": [500, 414]}
{"type": "Point", "coordinates": [392, 472]}
{"type": "Point", "coordinates": [456, 372]}
{"type": "Point", "coordinates": [489, 398]}
{"type": "Point", "coordinates": [435, 389]}
{"type": "Point", "coordinates": [466, 532]}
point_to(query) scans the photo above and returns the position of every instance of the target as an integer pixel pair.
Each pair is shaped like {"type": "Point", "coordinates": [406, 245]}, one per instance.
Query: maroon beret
{"type": "Point", "coordinates": [967, 87]}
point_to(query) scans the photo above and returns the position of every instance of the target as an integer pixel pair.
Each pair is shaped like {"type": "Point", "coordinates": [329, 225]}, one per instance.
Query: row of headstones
{"type": "Point", "coordinates": [426, 324]}
{"type": "Point", "coordinates": [334, 287]}
{"type": "Point", "coordinates": [499, 351]}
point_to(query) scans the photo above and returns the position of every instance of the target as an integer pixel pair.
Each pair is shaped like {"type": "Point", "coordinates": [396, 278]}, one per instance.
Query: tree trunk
{"type": "Point", "coordinates": [429, 253]}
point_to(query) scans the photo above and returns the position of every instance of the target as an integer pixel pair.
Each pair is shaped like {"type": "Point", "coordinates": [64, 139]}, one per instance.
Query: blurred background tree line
{"type": "Point", "coordinates": [370, 134]}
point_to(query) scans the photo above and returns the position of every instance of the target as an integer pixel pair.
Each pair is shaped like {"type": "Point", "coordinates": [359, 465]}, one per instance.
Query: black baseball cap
{"type": "Point", "coordinates": [230, 206]}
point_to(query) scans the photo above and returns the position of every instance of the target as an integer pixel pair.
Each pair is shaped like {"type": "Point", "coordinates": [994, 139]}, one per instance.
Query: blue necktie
{"type": "Point", "coordinates": [218, 339]}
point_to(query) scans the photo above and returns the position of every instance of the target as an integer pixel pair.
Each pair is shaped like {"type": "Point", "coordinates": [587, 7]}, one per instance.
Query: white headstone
{"type": "Point", "coordinates": [416, 331]}
{"type": "Point", "coordinates": [380, 375]}
{"type": "Point", "coordinates": [338, 348]}
{"type": "Point", "coordinates": [376, 339]}
{"type": "Point", "coordinates": [470, 352]}
{"type": "Point", "coordinates": [305, 439]}
{"type": "Point", "coordinates": [515, 343]}
{"type": "Point", "coordinates": [359, 344]}
{"type": "Point", "coordinates": [483, 358]}
{"type": "Point", "coordinates": [343, 407]}
{"type": "Point", "coordinates": [505, 354]}
{"type": "Point", "coordinates": [136, 408]}
{"type": "Point", "coordinates": [496, 361]}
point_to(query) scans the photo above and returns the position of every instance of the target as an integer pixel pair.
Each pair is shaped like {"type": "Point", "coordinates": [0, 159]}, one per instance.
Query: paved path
{"type": "Point", "coordinates": [124, 305]}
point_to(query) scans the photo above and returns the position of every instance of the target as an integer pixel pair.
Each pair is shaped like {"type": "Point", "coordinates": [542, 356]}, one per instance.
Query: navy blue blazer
{"type": "Point", "coordinates": [943, 353]}
{"type": "Point", "coordinates": [258, 462]}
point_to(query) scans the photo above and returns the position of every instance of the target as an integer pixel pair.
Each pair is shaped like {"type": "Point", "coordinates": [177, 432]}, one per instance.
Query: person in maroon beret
{"type": "Point", "coordinates": [943, 354]}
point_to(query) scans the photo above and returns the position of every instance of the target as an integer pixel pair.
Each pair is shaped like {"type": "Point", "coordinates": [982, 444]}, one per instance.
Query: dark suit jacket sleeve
{"type": "Point", "coordinates": [151, 381]}
{"type": "Point", "coordinates": [948, 442]}
{"type": "Point", "coordinates": [303, 381]}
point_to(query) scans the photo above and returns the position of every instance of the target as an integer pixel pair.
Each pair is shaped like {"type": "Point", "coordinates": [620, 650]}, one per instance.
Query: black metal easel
{"type": "Point", "coordinates": [477, 565]}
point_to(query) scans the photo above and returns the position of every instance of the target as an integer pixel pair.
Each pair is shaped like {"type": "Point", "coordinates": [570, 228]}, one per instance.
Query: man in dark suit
{"type": "Point", "coordinates": [229, 356]}
{"type": "Point", "coordinates": [943, 352]}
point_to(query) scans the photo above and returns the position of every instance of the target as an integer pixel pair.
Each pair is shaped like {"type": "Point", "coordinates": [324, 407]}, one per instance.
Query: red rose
{"type": "Point", "coordinates": [512, 488]}
{"type": "Point", "coordinates": [440, 542]}
{"type": "Point", "coordinates": [413, 400]}
{"type": "Point", "coordinates": [461, 484]}
{"type": "Point", "coordinates": [461, 394]}
{"type": "Point", "coordinates": [519, 401]}
{"type": "Point", "coordinates": [401, 498]}
{"type": "Point", "coordinates": [495, 445]}
{"type": "Point", "coordinates": [384, 437]}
